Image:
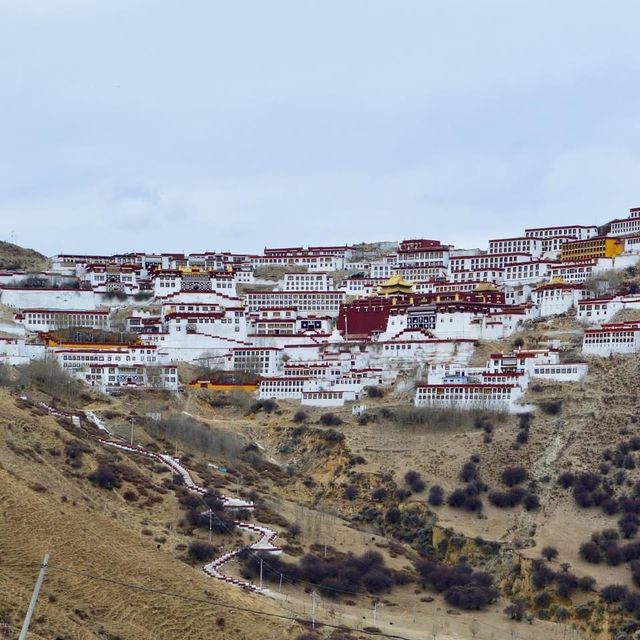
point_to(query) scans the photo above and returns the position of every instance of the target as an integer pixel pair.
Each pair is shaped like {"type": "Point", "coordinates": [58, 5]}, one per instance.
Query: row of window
{"type": "Point", "coordinates": [97, 358]}
{"type": "Point", "coordinates": [554, 370]}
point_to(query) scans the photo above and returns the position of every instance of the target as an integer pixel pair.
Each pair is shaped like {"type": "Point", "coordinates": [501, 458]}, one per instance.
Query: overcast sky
{"type": "Point", "coordinates": [205, 125]}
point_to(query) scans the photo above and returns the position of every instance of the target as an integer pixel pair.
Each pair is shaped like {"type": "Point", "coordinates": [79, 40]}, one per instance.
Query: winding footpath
{"type": "Point", "coordinates": [213, 569]}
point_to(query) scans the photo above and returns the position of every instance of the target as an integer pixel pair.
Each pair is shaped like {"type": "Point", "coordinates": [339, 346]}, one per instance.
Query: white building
{"type": "Point", "coordinates": [625, 226]}
{"type": "Point", "coordinates": [523, 244]}
{"type": "Point", "coordinates": [572, 271]}
{"type": "Point", "coordinates": [577, 231]}
{"type": "Point", "coordinates": [465, 396]}
{"type": "Point", "coordinates": [286, 387]}
{"type": "Point", "coordinates": [265, 361]}
{"type": "Point", "coordinates": [327, 398]}
{"type": "Point", "coordinates": [317, 302]}
{"type": "Point", "coordinates": [78, 358]}
{"type": "Point", "coordinates": [598, 310]}
{"type": "Point", "coordinates": [478, 275]}
{"type": "Point", "coordinates": [486, 261]}
{"type": "Point", "coordinates": [612, 338]}
{"type": "Point", "coordinates": [112, 377]}
{"type": "Point", "coordinates": [555, 298]}
{"type": "Point", "coordinates": [303, 281]}
{"type": "Point", "coordinates": [51, 319]}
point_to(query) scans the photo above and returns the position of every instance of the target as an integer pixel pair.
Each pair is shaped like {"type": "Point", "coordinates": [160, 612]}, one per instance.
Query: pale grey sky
{"type": "Point", "coordinates": [204, 125]}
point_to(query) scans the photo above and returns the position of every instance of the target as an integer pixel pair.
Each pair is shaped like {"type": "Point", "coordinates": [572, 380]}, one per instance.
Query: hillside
{"type": "Point", "coordinates": [47, 501]}
{"type": "Point", "coordinates": [327, 487]}
{"type": "Point", "coordinates": [16, 258]}
{"type": "Point", "coordinates": [137, 533]}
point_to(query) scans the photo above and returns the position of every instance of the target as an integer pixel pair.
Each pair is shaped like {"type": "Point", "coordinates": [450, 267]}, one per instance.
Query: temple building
{"type": "Point", "coordinates": [396, 285]}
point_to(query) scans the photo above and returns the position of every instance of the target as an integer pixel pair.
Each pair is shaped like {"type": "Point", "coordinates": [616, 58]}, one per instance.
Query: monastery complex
{"type": "Point", "coordinates": [320, 324]}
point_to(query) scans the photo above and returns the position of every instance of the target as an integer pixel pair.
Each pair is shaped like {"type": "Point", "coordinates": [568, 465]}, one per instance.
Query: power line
{"type": "Point", "coordinates": [217, 603]}
{"type": "Point", "coordinates": [223, 525]}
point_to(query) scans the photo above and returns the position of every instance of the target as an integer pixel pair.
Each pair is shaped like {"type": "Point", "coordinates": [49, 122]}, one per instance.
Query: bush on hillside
{"type": "Point", "coordinates": [436, 495]}
{"type": "Point", "coordinates": [300, 416]}
{"type": "Point", "coordinates": [104, 477]}
{"type": "Point", "coordinates": [330, 420]}
{"type": "Point", "coordinates": [201, 551]}
{"type": "Point", "coordinates": [462, 586]}
{"type": "Point", "coordinates": [512, 476]}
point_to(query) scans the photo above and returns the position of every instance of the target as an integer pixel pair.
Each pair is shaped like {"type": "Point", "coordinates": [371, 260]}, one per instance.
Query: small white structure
{"type": "Point", "coordinates": [327, 398]}
{"type": "Point", "coordinates": [596, 310]}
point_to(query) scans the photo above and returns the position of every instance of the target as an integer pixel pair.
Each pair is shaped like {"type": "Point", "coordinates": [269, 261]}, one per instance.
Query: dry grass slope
{"type": "Point", "coordinates": [48, 507]}
{"type": "Point", "coordinates": [15, 258]}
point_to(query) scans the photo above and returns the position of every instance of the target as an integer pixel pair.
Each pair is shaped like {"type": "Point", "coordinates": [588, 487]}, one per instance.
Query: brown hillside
{"type": "Point", "coordinates": [48, 505]}
{"type": "Point", "coordinates": [15, 258]}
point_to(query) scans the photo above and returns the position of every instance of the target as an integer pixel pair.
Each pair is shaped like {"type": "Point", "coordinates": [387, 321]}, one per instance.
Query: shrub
{"type": "Point", "coordinates": [590, 552]}
{"type": "Point", "coordinates": [541, 575]}
{"type": "Point", "coordinates": [516, 611]}
{"type": "Point", "coordinates": [331, 435]}
{"type": "Point", "coordinates": [411, 476]}
{"type": "Point", "coordinates": [456, 498]}
{"type": "Point", "coordinates": [567, 584]}
{"type": "Point", "coordinates": [350, 492]}
{"type": "Point", "coordinates": [524, 420]}
{"type": "Point", "coordinates": [582, 497]}
{"type": "Point", "coordinates": [549, 553]}
{"type": "Point", "coordinates": [330, 420]}
{"type": "Point", "coordinates": [628, 525]}
{"type": "Point", "coordinates": [507, 499]}
{"type": "Point", "coordinates": [201, 551]}
{"type": "Point", "coordinates": [613, 593]}
{"type": "Point", "coordinates": [436, 495]}
{"type": "Point", "coordinates": [462, 587]}
{"type": "Point", "coordinates": [531, 502]}
{"type": "Point", "coordinates": [333, 575]}
{"type": "Point", "coordinates": [299, 416]}
{"type": "Point", "coordinates": [614, 554]}
{"type": "Point", "coordinates": [469, 472]}
{"type": "Point", "coordinates": [393, 516]}
{"type": "Point", "coordinates": [374, 392]}
{"type": "Point", "coordinates": [418, 486]}
{"type": "Point", "coordinates": [542, 600]}
{"type": "Point", "coordinates": [268, 406]}
{"type": "Point", "coordinates": [514, 475]}
{"type": "Point", "coordinates": [379, 494]}
{"type": "Point", "coordinates": [551, 407]}
{"type": "Point", "coordinates": [609, 506]}
{"type": "Point", "coordinates": [104, 477]}
{"type": "Point", "coordinates": [566, 479]}
{"type": "Point", "coordinates": [586, 583]}
{"type": "Point", "coordinates": [522, 437]}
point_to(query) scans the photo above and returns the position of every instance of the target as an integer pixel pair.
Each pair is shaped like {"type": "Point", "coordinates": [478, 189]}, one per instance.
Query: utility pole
{"type": "Point", "coordinates": [34, 598]}
{"type": "Point", "coordinates": [280, 585]}
{"type": "Point", "coordinates": [261, 572]}
{"type": "Point", "coordinates": [132, 421]}
{"type": "Point", "coordinates": [376, 604]}
{"type": "Point", "coordinates": [314, 595]}
{"type": "Point", "coordinates": [210, 524]}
